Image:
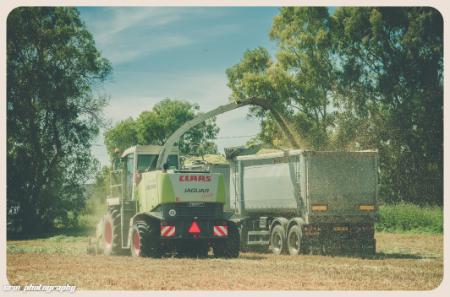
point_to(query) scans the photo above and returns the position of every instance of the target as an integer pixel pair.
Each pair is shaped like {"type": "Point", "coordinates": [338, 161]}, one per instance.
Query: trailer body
{"type": "Point", "coordinates": [330, 196]}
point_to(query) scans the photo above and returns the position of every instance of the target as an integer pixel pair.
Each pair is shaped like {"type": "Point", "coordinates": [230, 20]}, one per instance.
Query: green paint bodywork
{"type": "Point", "coordinates": [156, 188]}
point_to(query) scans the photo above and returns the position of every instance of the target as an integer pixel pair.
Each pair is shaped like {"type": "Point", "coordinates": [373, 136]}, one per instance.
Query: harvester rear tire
{"type": "Point", "coordinates": [145, 240]}
{"type": "Point", "coordinates": [228, 247]}
{"type": "Point", "coordinates": [112, 244]}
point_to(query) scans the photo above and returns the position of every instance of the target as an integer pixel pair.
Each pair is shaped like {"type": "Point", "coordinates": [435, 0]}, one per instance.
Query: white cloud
{"type": "Point", "coordinates": [126, 34]}
{"type": "Point", "coordinates": [116, 20]}
{"type": "Point", "coordinates": [132, 49]}
{"type": "Point", "coordinates": [121, 108]}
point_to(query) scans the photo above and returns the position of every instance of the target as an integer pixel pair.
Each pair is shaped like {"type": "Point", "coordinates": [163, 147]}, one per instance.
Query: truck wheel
{"type": "Point", "coordinates": [229, 247]}
{"type": "Point", "coordinates": [111, 233]}
{"type": "Point", "coordinates": [294, 240]}
{"type": "Point", "coordinates": [244, 239]}
{"type": "Point", "coordinates": [145, 241]}
{"type": "Point", "coordinates": [278, 240]}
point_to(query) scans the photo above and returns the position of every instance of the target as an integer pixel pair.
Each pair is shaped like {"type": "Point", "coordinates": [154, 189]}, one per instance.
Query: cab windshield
{"type": "Point", "coordinates": [148, 162]}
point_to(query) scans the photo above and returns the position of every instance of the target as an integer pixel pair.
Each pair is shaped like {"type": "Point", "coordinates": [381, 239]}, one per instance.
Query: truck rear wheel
{"type": "Point", "coordinates": [278, 240]}
{"type": "Point", "coordinates": [111, 233]}
{"type": "Point", "coordinates": [294, 240]}
{"type": "Point", "coordinates": [145, 241]}
{"type": "Point", "coordinates": [228, 247]}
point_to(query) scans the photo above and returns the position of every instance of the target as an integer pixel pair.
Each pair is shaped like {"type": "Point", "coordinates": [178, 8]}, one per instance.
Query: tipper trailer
{"type": "Point", "coordinates": [306, 201]}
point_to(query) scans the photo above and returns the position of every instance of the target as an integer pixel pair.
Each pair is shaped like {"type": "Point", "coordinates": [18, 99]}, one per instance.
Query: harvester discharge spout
{"type": "Point", "coordinates": [263, 103]}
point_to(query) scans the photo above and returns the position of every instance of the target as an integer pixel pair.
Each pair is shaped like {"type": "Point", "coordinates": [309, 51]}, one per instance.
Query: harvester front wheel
{"type": "Point", "coordinates": [145, 240]}
{"type": "Point", "coordinates": [228, 247]}
{"type": "Point", "coordinates": [111, 233]}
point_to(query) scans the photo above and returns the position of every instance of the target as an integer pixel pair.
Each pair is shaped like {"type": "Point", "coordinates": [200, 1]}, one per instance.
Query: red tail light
{"type": "Point", "coordinates": [194, 228]}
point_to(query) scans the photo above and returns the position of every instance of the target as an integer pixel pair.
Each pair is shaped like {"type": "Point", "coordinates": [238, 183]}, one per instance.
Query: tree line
{"type": "Point", "coordinates": [354, 79]}
{"type": "Point", "coordinates": [348, 79]}
{"type": "Point", "coordinates": [53, 115]}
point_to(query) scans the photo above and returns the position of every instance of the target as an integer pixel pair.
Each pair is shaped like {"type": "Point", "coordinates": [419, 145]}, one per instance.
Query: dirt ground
{"type": "Point", "coordinates": [403, 262]}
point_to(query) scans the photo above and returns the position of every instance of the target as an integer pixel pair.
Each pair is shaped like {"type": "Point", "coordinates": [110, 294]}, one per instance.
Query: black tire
{"type": "Point", "coordinates": [228, 247]}
{"type": "Point", "coordinates": [244, 239]}
{"type": "Point", "coordinates": [145, 240]}
{"type": "Point", "coordinates": [294, 240]}
{"type": "Point", "coordinates": [278, 240]}
{"type": "Point", "coordinates": [112, 244]}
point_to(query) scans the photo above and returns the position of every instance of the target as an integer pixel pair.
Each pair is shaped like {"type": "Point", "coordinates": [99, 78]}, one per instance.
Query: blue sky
{"type": "Point", "coordinates": [176, 52]}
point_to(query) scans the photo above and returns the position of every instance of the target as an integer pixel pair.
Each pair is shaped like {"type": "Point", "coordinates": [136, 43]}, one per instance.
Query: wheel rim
{"type": "Point", "coordinates": [136, 243]}
{"type": "Point", "coordinates": [108, 233]}
{"type": "Point", "coordinates": [277, 242]}
{"type": "Point", "coordinates": [294, 243]}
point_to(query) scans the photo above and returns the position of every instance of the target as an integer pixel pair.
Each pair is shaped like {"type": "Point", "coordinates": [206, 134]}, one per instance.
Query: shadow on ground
{"type": "Point", "coordinates": [382, 256]}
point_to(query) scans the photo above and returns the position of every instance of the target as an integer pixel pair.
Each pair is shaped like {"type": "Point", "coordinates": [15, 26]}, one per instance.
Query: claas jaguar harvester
{"type": "Point", "coordinates": [155, 208]}
{"type": "Point", "coordinates": [153, 212]}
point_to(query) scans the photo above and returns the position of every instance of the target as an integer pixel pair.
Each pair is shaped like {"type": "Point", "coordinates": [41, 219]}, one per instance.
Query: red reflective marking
{"type": "Point", "coordinates": [137, 243]}
{"type": "Point", "coordinates": [220, 231]}
{"type": "Point", "coordinates": [194, 228]}
{"type": "Point", "coordinates": [167, 231]}
{"type": "Point", "coordinates": [171, 232]}
{"type": "Point", "coordinates": [108, 233]}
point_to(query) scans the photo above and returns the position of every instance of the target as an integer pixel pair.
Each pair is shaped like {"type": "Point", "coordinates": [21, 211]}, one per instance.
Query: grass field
{"type": "Point", "coordinates": [403, 262]}
{"type": "Point", "coordinates": [407, 217]}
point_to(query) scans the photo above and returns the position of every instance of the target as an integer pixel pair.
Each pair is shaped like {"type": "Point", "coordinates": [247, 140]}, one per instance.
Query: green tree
{"type": "Point", "coordinates": [122, 136]}
{"type": "Point", "coordinates": [391, 82]}
{"type": "Point", "coordinates": [256, 75]}
{"type": "Point", "coordinates": [156, 125]}
{"type": "Point", "coordinates": [361, 78]}
{"type": "Point", "coordinates": [52, 116]}
{"type": "Point", "coordinates": [298, 83]}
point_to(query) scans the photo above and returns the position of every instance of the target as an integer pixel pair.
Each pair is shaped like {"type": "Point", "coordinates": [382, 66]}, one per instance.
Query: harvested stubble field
{"type": "Point", "coordinates": [403, 262]}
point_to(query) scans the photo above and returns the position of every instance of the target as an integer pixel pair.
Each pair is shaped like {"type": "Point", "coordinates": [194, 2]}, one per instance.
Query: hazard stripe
{"type": "Point", "coordinates": [167, 231]}
{"type": "Point", "coordinates": [171, 232]}
{"type": "Point", "coordinates": [220, 231]}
